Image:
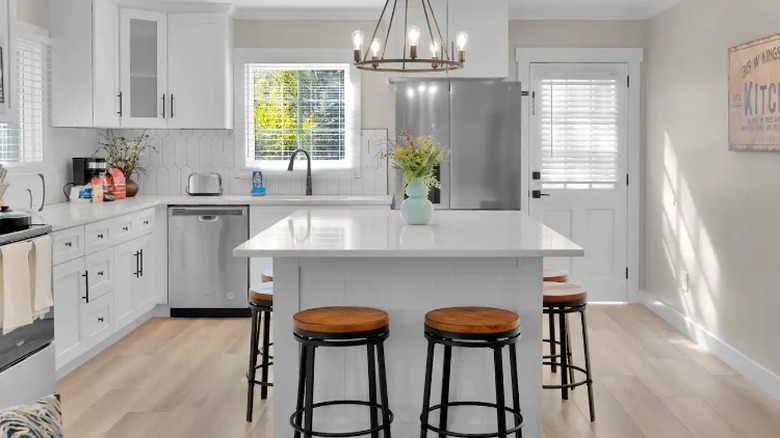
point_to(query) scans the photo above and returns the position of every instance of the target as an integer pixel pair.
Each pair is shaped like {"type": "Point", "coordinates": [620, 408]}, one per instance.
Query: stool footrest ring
{"type": "Point", "coordinates": [518, 418]}
{"type": "Point", "coordinates": [564, 368]}
{"type": "Point", "coordinates": [376, 406]}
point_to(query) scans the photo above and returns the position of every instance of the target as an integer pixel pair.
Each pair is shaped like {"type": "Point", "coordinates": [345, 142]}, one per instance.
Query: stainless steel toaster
{"type": "Point", "coordinates": [204, 184]}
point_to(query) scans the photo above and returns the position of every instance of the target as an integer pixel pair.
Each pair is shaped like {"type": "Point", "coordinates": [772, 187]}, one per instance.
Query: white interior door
{"type": "Point", "coordinates": [579, 169]}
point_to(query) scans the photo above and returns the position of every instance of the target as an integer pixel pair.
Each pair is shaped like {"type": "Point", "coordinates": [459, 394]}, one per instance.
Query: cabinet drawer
{"type": "Point", "coordinates": [97, 236]}
{"type": "Point", "coordinates": [100, 271]}
{"type": "Point", "coordinates": [67, 245]}
{"type": "Point", "coordinates": [144, 222]}
{"type": "Point", "coordinates": [97, 320]}
{"type": "Point", "coordinates": [122, 229]}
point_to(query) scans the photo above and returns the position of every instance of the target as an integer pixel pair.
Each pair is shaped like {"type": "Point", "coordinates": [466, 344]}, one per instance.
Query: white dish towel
{"type": "Point", "coordinates": [40, 258]}
{"type": "Point", "coordinates": [16, 295]}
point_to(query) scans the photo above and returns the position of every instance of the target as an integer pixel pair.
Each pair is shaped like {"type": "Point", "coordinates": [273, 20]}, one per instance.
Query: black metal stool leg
{"type": "Point", "coordinates": [570, 361]}
{"type": "Point", "coordinates": [500, 400]}
{"type": "Point", "coordinates": [309, 403]}
{"type": "Point", "coordinates": [445, 389]}
{"type": "Point", "coordinates": [383, 389]}
{"type": "Point", "coordinates": [253, 341]}
{"type": "Point", "coordinates": [301, 389]}
{"type": "Point", "coordinates": [586, 351]}
{"type": "Point", "coordinates": [427, 391]}
{"type": "Point", "coordinates": [515, 385]}
{"type": "Point", "coordinates": [266, 353]}
{"type": "Point", "coordinates": [564, 348]}
{"type": "Point", "coordinates": [553, 346]}
{"type": "Point", "coordinates": [372, 388]}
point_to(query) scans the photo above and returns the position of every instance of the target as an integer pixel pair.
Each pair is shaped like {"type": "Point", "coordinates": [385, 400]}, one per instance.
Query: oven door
{"type": "Point", "coordinates": [24, 341]}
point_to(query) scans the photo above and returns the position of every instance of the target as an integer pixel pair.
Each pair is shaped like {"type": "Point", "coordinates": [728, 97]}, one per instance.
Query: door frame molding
{"type": "Point", "coordinates": [633, 58]}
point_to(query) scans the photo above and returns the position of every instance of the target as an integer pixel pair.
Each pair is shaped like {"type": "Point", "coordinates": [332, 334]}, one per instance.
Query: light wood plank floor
{"type": "Point", "coordinates": [184, 378]}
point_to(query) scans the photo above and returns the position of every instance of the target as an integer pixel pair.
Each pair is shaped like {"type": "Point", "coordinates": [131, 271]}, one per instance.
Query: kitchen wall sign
{"type": "Point", "coordinates": [754, 95]}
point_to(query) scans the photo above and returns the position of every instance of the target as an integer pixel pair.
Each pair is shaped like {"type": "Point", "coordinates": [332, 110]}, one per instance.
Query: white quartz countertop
{"type": "Point", "coordinates": [70, 214]}
{"type": "Point", "coordinates": [382, 233]}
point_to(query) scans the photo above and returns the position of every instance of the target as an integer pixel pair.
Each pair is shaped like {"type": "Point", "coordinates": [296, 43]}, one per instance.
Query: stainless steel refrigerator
{"type": "Point", "coordinates": [480, 122]}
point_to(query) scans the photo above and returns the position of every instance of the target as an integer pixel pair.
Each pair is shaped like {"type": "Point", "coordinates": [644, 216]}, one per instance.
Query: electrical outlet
{"type": "Point", "coordinates": [685, 283]}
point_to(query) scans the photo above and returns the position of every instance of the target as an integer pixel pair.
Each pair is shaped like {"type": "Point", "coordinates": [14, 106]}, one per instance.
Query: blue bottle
{"type": "Point", "coordinates": [257, 183]}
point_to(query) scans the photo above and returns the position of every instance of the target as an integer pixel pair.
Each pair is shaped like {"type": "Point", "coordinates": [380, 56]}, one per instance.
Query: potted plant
{"type": "Point", "coordinates": [416, 159]}
{"type": "Point", "coordinates": [125, 154]}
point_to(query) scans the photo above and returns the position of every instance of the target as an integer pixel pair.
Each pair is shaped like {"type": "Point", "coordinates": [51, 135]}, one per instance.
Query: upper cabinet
{"type": "Point", "coordinates": [143, 73]}
{"type": "Point", "coordinates": [487, 23]}
{"type": "Point", "coordinates": [140, 68]}
{"type": "Point", "coordinates": [8, 95]}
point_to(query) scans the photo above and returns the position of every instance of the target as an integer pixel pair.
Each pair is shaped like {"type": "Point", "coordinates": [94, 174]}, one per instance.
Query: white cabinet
{"type": "Point", "coordinates": [69, 290]}
{"type": "Point", "coordinates": [199, 71]}
{"type": "Point", "coordinates": [101, 284]}
{"type": "Point", "coordinates": [118, 67]}
{"type": "Point", "coordinates": [8, 94]}
{"type": "Point", "coordinates": [143, 73]}
{"type": "Point", "coordinates": [487, 23]}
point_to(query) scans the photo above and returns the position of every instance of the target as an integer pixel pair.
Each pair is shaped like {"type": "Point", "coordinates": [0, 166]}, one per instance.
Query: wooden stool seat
{"type": "Point", "coordinates": [555, 275]}
{"type": "Point", "coordinates": [556, 293]}
{"type": "Point", "coordinates": [262, 292]}
{"type": "Point", "coordinates": [267, 277]}
{"type": "Point", "coordinates": [341, 320]}
{"type": "Point", "coordinates": [472, 320]}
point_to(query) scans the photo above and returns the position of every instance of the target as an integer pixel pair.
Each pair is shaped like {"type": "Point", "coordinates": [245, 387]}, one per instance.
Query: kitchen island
{"type": "Point", "coordinates": [371, 258]}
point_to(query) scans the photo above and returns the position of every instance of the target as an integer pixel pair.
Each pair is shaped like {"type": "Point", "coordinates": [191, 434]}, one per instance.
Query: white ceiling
{"type": "Point", "coordinates": [520, 9]}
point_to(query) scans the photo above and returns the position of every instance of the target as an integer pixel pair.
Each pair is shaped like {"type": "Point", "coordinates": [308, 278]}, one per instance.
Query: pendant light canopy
{"type": "Point", "coordinates": [410, 59]}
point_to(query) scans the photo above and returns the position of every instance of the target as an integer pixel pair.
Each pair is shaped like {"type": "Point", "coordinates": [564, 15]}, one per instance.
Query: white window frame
{"type": "Point", "coordinates": [338, 58]}
{"type": "Point", "coordinates": [633, 58]}
{"type": "Point", "coordinates": [40, 35]}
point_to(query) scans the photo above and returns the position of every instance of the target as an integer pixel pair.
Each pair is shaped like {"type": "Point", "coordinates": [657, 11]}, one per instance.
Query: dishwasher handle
{"type": "Point", "coordinates": [204, 214]}
{"type": "Point", "coordinates": [208, 218]}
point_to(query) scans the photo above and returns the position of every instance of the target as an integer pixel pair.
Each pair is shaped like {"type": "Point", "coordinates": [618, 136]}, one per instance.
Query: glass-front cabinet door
{"type": "Point", "coordinates": [143, 70]}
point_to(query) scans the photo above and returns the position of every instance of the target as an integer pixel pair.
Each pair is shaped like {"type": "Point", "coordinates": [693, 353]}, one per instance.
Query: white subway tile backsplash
{"type": "Point", "coordinates": [178, 153]}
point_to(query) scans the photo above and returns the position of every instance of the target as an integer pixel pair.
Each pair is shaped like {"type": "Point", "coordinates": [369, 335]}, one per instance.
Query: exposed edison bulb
{"type": "Point", "coordinates": [414, 35]}
{"type": "Point", "coordinates": [376, 46]}
{"type": "Point", "coordinates": [461, 39]}
{"type": "Point", "coordinates": [357, 40]}
{"type": "Point", "coordinates": [435, 47]}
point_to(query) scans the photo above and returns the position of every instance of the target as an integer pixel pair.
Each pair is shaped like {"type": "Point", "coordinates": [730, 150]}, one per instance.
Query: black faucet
{"type": "Point", "coordinates": [308, 168]}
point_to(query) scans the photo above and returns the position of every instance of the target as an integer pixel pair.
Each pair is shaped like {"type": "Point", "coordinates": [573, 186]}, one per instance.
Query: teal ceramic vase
{"type": "Point", "coordinates": [417, 209]}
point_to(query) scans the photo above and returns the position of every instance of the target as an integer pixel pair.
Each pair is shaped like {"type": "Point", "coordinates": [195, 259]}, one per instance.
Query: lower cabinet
{"type": "Point", "coordinates": [133, 294]}
{"type": "Point", "coordinates": [98, 293]}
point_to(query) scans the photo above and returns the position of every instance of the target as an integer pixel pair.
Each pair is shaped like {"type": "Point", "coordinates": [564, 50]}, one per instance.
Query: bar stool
{"type": "Point", "coordinates": [472, 327]}
{"type": "Point", "coordinates": [261, 305]}
{"type": "Point", "coordinates": [555, 275]}
{"type": "Point", "coordinates": [562, 299]}
{"type": "Point", "coordinates": [342, 327]}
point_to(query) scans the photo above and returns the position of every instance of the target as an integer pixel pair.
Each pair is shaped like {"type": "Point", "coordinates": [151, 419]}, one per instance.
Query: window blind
{"type": "Point", "coordinates": [22, 142]}
{"type": "Point", "coordinates": [291, 107]}
{"type": "Point", "coordinates": [580, 133]}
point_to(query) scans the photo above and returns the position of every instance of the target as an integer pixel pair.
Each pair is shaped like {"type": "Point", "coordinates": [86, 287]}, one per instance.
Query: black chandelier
{"type": "Point", "coordinates": [409, 61]}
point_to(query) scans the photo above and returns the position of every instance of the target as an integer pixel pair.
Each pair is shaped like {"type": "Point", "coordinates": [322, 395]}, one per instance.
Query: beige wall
{"type": "Point", "coordinates": [710, 212]}
{"type": "Point", "coordinates": [34, 12]}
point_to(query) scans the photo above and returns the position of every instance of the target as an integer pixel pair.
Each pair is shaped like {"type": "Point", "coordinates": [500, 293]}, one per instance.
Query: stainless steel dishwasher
{"type": "Point", "coordinates": [204, 279]}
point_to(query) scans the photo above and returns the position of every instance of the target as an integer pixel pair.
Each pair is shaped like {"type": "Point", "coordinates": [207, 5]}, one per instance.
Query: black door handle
{"type": "Point", "coordinates": [86, 286]}
{"type": "Point", "coordinates": [537, 194]}
{"type": "Point", "coordinates": [137, 256]}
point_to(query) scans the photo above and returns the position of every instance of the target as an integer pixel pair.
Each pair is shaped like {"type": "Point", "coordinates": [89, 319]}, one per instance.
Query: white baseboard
{"type": "Point", "coordinates": [743, 364]}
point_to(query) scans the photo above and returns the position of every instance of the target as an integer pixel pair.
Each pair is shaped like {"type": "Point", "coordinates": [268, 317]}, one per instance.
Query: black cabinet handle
{"type": "Point", "coordinates": [142, 262]}
{"type": "Point", "coordinates": [119, 96]}
{"type": "Point", "coordinates": [125, 228]}
{"type": "Point", "coordinates": [101, 319]}
{"type": "Point", "coordinates": [100, 236]}
{"type": "Point", "coordinates": [171, 105]}
{"type": "Point", "coordinates": [86, 286]}
{"type": "Point", "coordinates": [537, 194]}
{"type": "Point", "coordinates": [68, 244]}
{"type": "Point", "coordinates": [163, 112]}
{"type": "Point", "coordinates": [146, 222]}
{"type": "Point", "coordinates": [100, 273]}
{"type": "Point", "coordinates": [137, 256]}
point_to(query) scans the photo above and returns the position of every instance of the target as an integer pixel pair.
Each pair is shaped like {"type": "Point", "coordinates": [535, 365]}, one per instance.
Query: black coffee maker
{"type": "Point", "coordinates": [84, 169]}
